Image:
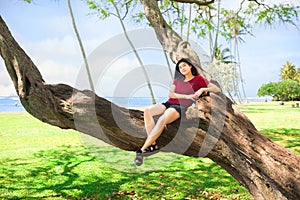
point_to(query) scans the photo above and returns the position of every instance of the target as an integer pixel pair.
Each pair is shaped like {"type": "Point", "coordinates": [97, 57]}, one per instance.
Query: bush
{"type": "Point", "coordinates": [284, 90]}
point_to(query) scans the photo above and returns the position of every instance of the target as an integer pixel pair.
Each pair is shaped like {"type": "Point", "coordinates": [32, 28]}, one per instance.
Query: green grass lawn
{"type": "Point", "coordinates": [39, 161]}
{"type": "Point", "coordinates": [281, 123]}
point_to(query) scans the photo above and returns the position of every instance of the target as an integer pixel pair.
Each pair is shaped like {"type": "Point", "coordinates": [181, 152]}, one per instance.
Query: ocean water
{"type": "Point", "coordinates": [13, 104]}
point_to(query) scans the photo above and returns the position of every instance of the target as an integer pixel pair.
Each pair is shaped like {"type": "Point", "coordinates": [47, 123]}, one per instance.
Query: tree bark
{"type": "Point", "coordinates": [266, 169]}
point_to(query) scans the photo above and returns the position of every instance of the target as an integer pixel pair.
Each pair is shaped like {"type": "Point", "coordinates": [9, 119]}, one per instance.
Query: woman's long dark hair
{"type": "Point", "coordinates": [180, 76]}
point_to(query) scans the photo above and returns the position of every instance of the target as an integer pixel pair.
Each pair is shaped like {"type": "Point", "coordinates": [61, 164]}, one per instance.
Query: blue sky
{"type": "Point", "coordinates": [44, 31]}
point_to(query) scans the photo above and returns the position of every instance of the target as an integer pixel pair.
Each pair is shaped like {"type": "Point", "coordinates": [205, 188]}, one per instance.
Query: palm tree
{"type": "Point", "coordinates": [135, 52]}
{"type": "Point", "coordinates": [288, 71]}
{"type": "Point", "coordinates": [298, 75]}
{"type": "Point", "coordinates": [236, 33]}
{"type": "Point", "coordinates": [223, 55]}
{"type": "Point", "coordinates": [81, 48]}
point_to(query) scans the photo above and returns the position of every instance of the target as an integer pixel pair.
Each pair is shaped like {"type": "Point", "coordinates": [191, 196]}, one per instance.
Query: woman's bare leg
{"type": "Point", "coordinates": [170, 115]}
{"type": "Point", "coordinates": [149, 112]}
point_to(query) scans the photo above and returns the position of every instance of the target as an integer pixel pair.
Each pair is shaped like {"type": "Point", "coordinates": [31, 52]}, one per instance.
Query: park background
{"type": "Point", "coordinates": [44, 30]}
{"type": "Point", "coordinates": [45, 162]}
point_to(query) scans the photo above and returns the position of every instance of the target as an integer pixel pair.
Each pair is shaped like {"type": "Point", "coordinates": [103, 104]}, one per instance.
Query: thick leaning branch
{"type": "Point", "coordinates": [266, 169]}
{"type": "Point", "coordinates": [68, 108]}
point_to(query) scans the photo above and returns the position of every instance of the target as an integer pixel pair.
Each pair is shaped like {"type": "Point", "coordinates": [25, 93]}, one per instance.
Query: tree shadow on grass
{"type": "Point", "coordinates": [46, 172]}
{"type": "Point", "coordinates": [71, 172]}
{"type": "Point", "coordinates": [288, 137]}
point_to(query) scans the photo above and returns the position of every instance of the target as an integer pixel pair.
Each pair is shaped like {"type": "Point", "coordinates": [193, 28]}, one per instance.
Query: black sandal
{"type": "Point", "coordinates": [139, 158]}
{"type": "Point", "coordinates": [151, 150]}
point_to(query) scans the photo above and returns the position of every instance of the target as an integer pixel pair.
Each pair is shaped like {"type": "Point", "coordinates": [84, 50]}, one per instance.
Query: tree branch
{"type": "Point", "coordinates": [260, 4]}
{"type": "Point", "coordinates": [199, 3]}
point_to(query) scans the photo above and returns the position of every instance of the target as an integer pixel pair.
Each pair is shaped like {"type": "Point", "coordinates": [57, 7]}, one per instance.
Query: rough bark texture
{"type": "Point", "coordinates": [266, 169]}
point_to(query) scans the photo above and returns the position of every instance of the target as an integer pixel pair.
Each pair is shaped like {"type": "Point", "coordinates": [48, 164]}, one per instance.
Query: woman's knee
{"type": "Point", "coordinates": [170, 112]}
{"type": "Point", "coordinates": [153, 110]}
{"type": "Point", "coordinates": [170, 115]}
{"type": "Point", "coordinates": [147, 111]}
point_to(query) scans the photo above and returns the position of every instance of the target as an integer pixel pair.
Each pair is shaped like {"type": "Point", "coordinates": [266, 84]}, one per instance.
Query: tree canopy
{"type": "Point", "coordinates": [221, 24]}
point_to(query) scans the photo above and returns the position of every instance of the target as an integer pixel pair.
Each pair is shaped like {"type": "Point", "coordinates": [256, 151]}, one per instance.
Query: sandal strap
{"type": "Point", "coordinates": [139, 151]}
{"type": "Point", "coordinates": [152, 148]}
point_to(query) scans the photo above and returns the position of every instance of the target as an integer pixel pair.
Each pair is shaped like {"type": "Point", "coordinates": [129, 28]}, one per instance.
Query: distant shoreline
{"type": "Point", "coordinates": [141, 108]}
{"type": "Point", "coordinates": [12, 104]}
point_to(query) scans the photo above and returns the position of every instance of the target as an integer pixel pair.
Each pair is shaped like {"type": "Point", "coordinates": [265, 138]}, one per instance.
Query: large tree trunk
{"type": "Point", "coordinates": [222, 134]}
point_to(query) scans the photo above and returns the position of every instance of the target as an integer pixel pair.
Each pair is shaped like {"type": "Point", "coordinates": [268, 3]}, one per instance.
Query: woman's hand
{"type": "Point", "coordinates": [174, 95]}
{"type": "Point", "coordinates": [210, 88]}
{"type": "Point", "coordinates": [200, 92]}
{"type": "Point", "coordinates": [190, 97]}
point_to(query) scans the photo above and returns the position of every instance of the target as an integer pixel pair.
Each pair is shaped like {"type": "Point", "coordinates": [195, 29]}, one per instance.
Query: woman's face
{"type": "Point", "coordinates": [185, 68]}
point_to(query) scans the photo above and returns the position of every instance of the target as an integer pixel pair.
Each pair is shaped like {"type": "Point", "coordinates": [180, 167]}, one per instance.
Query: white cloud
{"type": "Point", "coordinates": [65, 49]}
{"type": "Point", "coordinates": [6, 84]}
{"type": "Point", "coordinates": [118, 69]}
{"type": "Point", "coordinates": [54, 72]}
{"type": "Point", "coordinates": [7, 90]}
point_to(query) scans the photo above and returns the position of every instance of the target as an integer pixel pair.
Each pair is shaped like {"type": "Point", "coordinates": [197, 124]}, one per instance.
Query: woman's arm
{"type": "Point", "coordinates": [213, 88]}
{"type": "Point", "coordinates": [210, 88]}
{"type": "Point", "coordinates": [174, 95]}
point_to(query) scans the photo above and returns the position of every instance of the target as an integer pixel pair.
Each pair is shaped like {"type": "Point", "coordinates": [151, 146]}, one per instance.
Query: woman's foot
{"type": "Point", "coordinates": [138, 158]}
{"type": "Point", "coordinates": [140, 154]}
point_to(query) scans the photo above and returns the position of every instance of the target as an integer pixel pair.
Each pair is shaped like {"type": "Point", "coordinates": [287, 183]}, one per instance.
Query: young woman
{"type": "Point", "coordinates": [187, 86]}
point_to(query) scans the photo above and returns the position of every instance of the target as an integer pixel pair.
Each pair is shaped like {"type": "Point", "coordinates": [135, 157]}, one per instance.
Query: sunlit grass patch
{"type": "Point", "coordinates": [281, 123]}
{"type": "Point", "coordinates": [39, 161]}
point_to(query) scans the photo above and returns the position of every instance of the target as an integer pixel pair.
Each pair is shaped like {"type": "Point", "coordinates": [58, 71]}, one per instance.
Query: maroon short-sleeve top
{"type": "Point", "coordinates": [187, 87]}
